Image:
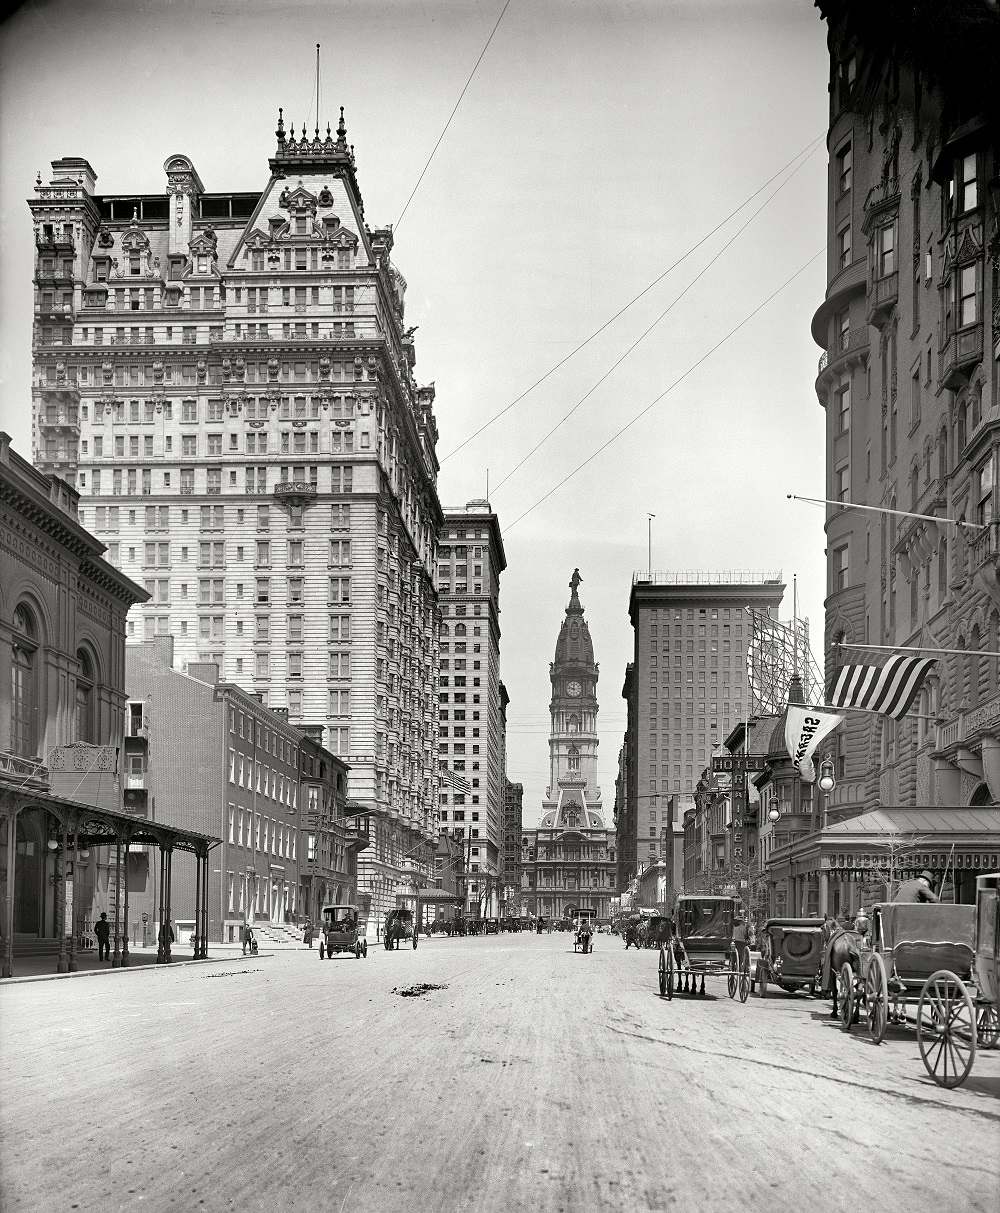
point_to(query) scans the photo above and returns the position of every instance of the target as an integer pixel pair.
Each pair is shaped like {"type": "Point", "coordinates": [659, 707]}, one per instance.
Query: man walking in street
{"type": "Point", "coordinates": [102, 929]}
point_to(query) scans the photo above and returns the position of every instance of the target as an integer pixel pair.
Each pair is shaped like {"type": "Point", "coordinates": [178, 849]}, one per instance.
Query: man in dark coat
{"type": "Point", "coordinates": [102, 929]}
{"type": "Point", "coordinates": [918, 889]}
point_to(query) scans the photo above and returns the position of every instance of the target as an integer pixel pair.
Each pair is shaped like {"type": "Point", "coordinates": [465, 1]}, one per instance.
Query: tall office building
{"type": "Point", "coordinates": [472, 701]}
{"type": "Point", "coordinates": [687, 689]}
{"type": "Point", "coordinates": [228, 380]}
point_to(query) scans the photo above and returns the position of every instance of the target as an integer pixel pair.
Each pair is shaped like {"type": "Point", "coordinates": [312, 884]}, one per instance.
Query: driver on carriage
{"type": "Point", "coordinates": [921, 888]}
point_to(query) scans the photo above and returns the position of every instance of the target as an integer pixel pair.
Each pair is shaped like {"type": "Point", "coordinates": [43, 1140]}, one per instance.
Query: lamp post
{"type": "Point", "coordinates": [827, 782]}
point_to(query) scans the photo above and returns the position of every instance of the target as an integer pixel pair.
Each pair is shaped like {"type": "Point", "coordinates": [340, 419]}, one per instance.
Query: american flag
{"type": "Point", "coordinates": [889, 689]}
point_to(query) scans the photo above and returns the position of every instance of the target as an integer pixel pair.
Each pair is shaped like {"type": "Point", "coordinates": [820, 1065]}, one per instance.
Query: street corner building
{"type": "Point", "coordinates": [70, 849]}
{"type": "Point", "coordinates": [227, 380]}
{"type": "Point", "coordinates": [568, 863]}
{"type": "Point", "coordinates": [909, 379]}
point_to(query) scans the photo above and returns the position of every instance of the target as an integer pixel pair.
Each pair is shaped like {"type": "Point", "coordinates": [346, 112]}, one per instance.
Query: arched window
{"type": "Point", "coordinates": [574, 758]}
{"type": "Point", "coordinates": [960, 431]}
{"type": "Point", "coordinates": [942, 454]}
{"type": "Point", "coordinates": [24, 684]}
{"type": "Point", "coordinates": [574, 724]}
{"type": "Point", "coordinates": [85, 724]}
{"type": "Point", "coordinates": [914, 486]}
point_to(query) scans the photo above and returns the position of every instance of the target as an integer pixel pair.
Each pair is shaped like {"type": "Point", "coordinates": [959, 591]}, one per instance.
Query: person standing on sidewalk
{"type": "Point", "coordinates": [102, 929]}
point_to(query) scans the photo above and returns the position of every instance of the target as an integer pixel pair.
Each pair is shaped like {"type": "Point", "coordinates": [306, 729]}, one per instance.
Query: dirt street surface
{"type": "Point", "coordinates": [525, 1077]}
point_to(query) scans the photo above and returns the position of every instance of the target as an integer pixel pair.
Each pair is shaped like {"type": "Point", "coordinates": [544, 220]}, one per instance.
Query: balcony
{"type": "Point", "coordinates": [961, 352]}
{"type": "Point", "coordinates": [848, 350]}
{"type": "Point", "coordinates": [28, 773]}
{"type": "Point", "coordinates": [883, 294]}
{"type": "Point", "coordinates": [295, 492]}
{"type": "Point", "coordinates": [53, 244]}
{"type": "Point", "coordinates": [985, 548]}
{"type": "Point", "coordinates": [136, 339]}
{"type": "Point", "coordinates": [135, 783]}
{"type": "Point", "coordinates": [59, 421]}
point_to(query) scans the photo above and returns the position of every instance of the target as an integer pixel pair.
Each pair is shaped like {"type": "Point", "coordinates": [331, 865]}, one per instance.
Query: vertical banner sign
{"type": "Point", "coordinates": [68, 916]}
{"type": "Point", "coordinates": [738, 767]}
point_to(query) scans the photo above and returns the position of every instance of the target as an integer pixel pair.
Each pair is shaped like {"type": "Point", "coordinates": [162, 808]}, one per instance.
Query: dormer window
{"type": "Point", "coordinates": [300, 225]}
{"type": "Point", "coordinates": [176, 271]}
{"type": "Point", "coordinates": [102, 266]}
{"type": "Point", "coordinates": [202, 265]}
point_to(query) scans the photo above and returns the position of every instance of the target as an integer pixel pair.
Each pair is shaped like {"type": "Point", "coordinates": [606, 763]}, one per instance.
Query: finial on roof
{"type": "Point", "coordinates": [135, 216]}
{"type": "Point", "coordinates": [342, 132]}
{"type": "Point", "coordinates": [280, 132]}
{"type": "Point", "coordinates": [38, 177]}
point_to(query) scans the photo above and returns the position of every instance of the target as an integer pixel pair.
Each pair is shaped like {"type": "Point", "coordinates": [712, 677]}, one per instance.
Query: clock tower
{"type": "Point", "coordinates": [573, 798]}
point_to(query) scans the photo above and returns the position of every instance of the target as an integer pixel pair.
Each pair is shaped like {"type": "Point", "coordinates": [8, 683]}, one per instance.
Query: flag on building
{"type": "Point", "coordinates": [805, 728]}
{"type": "Point", "coordinates": [889, 689]}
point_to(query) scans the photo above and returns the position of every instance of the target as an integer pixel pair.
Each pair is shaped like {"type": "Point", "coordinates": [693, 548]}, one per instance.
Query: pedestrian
{"type": "Point", "coordinates": [921, 888]}
{"type": "Point", "coordinates": [166, 936]}
{"type": "Point", "coordinates": [102, 929]}
{"type": "Point", "coordinates": [308, 933]}
{"type": "Point", "coordinates": [247, 939]}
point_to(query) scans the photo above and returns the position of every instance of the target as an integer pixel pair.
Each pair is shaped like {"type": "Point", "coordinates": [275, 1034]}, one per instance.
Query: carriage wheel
{"type": "Point", "coordinates": [946, 1029]}
{"type": "Point", "coordinates": [987, 1026]}
{"type": "Point", "coordinates": [732, 978]}
{"type": "Point", "coordinates": [357, 950]}
{"type": "Point", "coordinates": [762, 977]}
{"type": "Point", "coordinates": [321, 949]}
{"type": "Point", "coordinates": [845, 988]}
{"type": "Point", "coordinates": [364, 948]}
{"type": "Point", "coordinates": [662, 971]}
{"type": "Point", "coordinates": [745, 975]}
{"type": "Point", "coordinates": [877, 998]}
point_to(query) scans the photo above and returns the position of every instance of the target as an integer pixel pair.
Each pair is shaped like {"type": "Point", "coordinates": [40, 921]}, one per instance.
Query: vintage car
{"type": "Point", "coordinates": [342, 930]}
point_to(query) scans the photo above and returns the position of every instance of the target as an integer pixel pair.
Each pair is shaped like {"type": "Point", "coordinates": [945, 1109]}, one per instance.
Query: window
{"type": "Point", "coordinates": [844, 166]}
{"type": "Point", "coordinates": [844, 247]}
{"type": "Point", "coordinates": [968, 311]}
{"type": "Point", "coordinates": [969, 187]}
{"type": "Point", "coordinates": [984, 494]}
{"type": "Point", "coordinates": [843, 409]}
{"type": "Point", "coordinates": [840, 568]}
{"type": "Point", "coordinates": [842, 483]}
{"type": "Point", "coordinates": [886, 250]}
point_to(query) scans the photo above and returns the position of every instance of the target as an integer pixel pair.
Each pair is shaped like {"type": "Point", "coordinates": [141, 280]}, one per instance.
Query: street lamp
{"type": "Point", "coordinates": [826, 783]}
{"type": "Point", "coordinates": [773, 810]}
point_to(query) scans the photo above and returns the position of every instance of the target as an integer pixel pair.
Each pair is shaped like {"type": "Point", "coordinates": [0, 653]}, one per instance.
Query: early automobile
{"type": "Point", "coordinates": [791, 954]}
{"type": "Point", "coordinates": [706, 943]}
{"type": "Point", "coordinates": [342, 930]}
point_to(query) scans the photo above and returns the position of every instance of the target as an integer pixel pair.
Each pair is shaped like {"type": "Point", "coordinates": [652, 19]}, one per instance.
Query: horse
{"type": "Point", "coordinates": [395, 930]}
{"type": "Point", "coordinates": [840, 947]}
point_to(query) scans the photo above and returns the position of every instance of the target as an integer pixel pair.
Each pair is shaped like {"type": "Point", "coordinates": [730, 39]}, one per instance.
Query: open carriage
{"type": "Point", "coordinates": [791, 954]}
{"type": "Point", "coordinates": [933, 967]}
{"type": "Point", "coordinates": [705, 944]}
{"type": "Point", "coordinates": [342, 930]}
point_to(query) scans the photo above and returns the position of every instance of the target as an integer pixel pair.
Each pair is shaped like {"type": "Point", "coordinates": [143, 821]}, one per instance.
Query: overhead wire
{"type": "Point", "coordinates": [645, 333]}
{"type": "Point", "coordinates": [451, 115]}
{"type": "Point", "coordinates": [680, 379]}
{"type": "Point", "coordinates": [806, 152]}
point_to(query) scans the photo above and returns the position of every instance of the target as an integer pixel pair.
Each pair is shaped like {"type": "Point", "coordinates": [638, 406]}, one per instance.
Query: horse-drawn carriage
{"type": "Point", "coordinates": [791, 954]}
{"type": "Point", "coordinates": [657, 932]}
{"type": "Point", "coordinates": [941, 963]}
{"type": "Point", "coordinates": [583, 939]}
{"type": "Point", "coordinates": [398, 928]}
{"type": "Point", "coordinates": [706, 943]}
{"type": "Point", "coordinates": [342, 930]}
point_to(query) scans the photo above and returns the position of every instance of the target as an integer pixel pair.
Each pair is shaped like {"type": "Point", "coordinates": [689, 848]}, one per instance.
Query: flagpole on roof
{"type": "Point", "coordinates": [795, 625]}
{"type": "Point", "coordinates": [915, 648]}
{"type": "Point", "coordinates": [836, 707]}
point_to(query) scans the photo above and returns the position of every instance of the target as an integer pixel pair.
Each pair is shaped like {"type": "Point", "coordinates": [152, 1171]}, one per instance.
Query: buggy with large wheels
{"type": "Point", "coordinates": [399, 928]}
{"type": "Point", "coordinates": [791, 954]}
{"type": "Point", "coordinates": [932, 967]}
{"type": "Point", "coordinates": [659, 931]}
{"type": "Point", "coordinates": [342, 930]}
{"type": "Point", "coordinates": [583, 939]}
{"type": "Point", "coordinates": [705, 944]}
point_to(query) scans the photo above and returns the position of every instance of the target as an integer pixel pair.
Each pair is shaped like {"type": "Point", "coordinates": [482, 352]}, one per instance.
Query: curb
{"type": "Point", "coordinates": [12, 981]}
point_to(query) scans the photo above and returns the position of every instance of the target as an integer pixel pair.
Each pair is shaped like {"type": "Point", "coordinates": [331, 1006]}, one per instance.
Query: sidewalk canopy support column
{"type": "Point", "coordinates": [116, 956]}
{"type": "Point", "coordinates": [196, 938]}
{"type": "Point", "coordinates": [125, 956]}
{"type": "Point", "coordinates": [62, 965]}
{"type": "Point", "coordinates": [8, 914]}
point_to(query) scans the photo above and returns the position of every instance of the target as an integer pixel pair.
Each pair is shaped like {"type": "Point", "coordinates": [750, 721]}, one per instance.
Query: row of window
{"type": "Point", "coordinates": [264, 833]}
{"type": "Point", "coordinates": [289, 442]}
{"type": "Point", "coordinates": [135, 482]}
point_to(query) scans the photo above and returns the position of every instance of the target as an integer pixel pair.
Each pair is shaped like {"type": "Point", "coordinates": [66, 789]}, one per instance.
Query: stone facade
{"type": "Point", "coordinates": [228, 380]}
{"type": "Point", "coordinates": [910, 329]}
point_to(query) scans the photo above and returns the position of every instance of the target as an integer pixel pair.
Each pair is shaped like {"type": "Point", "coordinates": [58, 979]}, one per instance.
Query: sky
{"type": "Point", "coordinates": [598, 143]}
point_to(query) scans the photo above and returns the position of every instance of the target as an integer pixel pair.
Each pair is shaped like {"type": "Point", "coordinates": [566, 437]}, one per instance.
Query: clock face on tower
{"type": "Point", "coordinates": [573, 688]}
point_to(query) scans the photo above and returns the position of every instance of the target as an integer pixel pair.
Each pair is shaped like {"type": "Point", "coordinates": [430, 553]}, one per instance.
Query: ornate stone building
{"type": "Point", "coordinates": [910, 329]}
{"type": "Point", "coordinates": [568, 862]}
{"type": "Point", "coordinates": [228, 381]}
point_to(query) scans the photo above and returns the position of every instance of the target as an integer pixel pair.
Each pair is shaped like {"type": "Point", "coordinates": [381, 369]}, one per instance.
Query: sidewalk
{"type": "Point", "coordinates": [41, 968]}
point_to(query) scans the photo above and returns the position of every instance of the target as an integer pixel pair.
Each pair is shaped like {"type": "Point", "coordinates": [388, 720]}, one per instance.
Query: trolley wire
{"type": "Point", "coordinates": [806, 152]}
{"type": "Point", "coordinates": [645, 333]}
{"type": "Point", "coordinates": [680, 379]}
{"type": "Point", "coordinates": [451, 115]}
